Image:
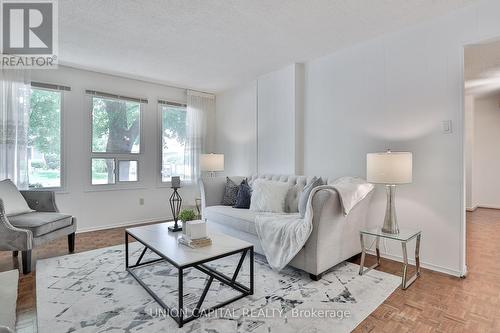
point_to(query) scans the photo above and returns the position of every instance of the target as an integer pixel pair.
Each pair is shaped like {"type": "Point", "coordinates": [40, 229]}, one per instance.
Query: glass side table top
{"type": "Point", "coordinates": [405, 234]}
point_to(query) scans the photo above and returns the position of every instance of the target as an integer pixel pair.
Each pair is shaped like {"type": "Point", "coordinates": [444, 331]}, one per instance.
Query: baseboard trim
{"type": "Point", "coordinates": [471, 209]}
{"type": "Point", "coordinates": [432, 267]}
{"type": "Point", "coordinates": [122, 224]}
{"type": "Point", "coordinates": [488, 206]}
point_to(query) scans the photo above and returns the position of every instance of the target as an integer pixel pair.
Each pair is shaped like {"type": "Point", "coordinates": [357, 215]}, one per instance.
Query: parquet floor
{"type": "Point", "coordinates": [434, 303]}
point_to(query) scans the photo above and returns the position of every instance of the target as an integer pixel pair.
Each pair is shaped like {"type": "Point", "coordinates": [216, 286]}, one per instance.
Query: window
{"type": "Point", "coordinates": [173, 140]}
{"type": "Point", "coordinates": [44, 139]}
{"type": "Point", "coordinates": [127, 171]}
{"type": "Point", "coordinates": [116, 126]}
{"type": "Point", "coordinates": [103, 171]}
{"type": "Point", "coordinates": [116, 139]}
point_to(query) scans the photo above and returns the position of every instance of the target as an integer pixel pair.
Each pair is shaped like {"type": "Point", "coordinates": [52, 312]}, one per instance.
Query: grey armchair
{"type": "Point", "coordinates": [23, 232]}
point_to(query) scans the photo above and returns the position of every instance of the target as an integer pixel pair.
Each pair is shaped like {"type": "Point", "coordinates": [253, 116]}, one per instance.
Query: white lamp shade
{"type": "Point", "coordinates": [212, 162]}
{"type": "Point", "coordinates": [389, 168]}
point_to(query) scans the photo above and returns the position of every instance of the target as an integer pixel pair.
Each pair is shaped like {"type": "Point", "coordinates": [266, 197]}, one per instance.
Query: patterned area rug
{"type": "Point", "coordinates": [92, 292]}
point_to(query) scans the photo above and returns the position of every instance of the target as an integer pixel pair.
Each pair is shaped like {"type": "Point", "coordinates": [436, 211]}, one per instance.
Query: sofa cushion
{"type": "Point", "coordinates": [240, 219]}
{"type": "Point", "coordinates": [13, 202]}
{"type": "Point", "coordinates": [41, 223]}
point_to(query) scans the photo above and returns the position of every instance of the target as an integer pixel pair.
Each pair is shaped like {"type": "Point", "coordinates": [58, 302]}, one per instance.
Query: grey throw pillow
{"type": "Point", "coordinates": [230, 192]}
{"type": "Point", "coordinates": [292, 199]}
{"type": "Point", "coordinates": [304, 196]}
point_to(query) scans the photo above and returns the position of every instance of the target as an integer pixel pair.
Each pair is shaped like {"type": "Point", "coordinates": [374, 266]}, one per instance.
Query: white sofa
{"type": "Point", "coordinates": [334, 238]}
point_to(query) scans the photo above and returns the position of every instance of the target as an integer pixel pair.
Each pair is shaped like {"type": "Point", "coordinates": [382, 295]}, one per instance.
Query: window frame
{"type": "Point", "coordinates": [161, 102]}
{"type": "Point", "coordinates": [139, 157]}
{"type": "Point", "coordinates": [62, 121]}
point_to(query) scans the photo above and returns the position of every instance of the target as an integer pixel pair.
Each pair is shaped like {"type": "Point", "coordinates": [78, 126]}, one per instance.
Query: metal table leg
{"type": "Point", "coordinates": [180, 314]}
{"type": "Point", "coordinates": [408, 282]}
{"type": "Point", "coordinates": [363, 255]}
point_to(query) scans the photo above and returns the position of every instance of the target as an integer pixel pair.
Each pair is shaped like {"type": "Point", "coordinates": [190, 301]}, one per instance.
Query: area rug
{"type": "Point", "coordinates": [8, 298]}
{"type": "Point", "coordinates": [92, 292]}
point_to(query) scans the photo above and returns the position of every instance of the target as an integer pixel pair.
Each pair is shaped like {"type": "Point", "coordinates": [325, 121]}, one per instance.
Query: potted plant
{"type": "Point", "coordinates": [186, 215]}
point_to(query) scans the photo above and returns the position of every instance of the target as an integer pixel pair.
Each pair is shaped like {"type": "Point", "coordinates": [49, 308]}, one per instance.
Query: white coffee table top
{"type": "Point", "coordinates": [164, 242]}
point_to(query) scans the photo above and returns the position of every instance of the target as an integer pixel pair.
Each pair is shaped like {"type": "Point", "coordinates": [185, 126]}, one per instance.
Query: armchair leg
{"type": "Point", "coordinates": [26, 258]}
{"type": "Point", "coordinates": [71, 242]}
{"type": "Point", "coordinates": [15, 254]}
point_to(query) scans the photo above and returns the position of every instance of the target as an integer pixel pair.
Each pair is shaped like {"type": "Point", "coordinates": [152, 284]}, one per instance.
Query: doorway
{"type": "Point", "coordinates": [482, 149]}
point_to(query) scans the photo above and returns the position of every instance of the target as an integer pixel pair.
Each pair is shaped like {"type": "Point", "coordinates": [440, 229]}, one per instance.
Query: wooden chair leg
{"type": "Point", "coordinates": [15, 254]}
{"type": "Point", "coordinates": [71, 242]}
{"type": "Point", "coordinates": [26, 258]}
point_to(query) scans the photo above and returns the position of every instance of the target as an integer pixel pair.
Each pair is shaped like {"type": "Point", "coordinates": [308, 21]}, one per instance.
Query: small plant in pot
{"type": "Point", "coordinates": [186, 215]}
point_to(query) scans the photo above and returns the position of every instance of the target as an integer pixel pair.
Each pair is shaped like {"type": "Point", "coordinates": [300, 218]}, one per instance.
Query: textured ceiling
{"type": "Point", "coordinates": [212, 45]}
{"type": "Point", "coordinates": [482, 69]}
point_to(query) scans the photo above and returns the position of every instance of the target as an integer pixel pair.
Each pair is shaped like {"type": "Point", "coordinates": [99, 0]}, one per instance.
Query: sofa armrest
{"type": "Point", "coordinates": [212, 191]}
{"type": "Point", "coordinates": [335, 237]}
{"type": "Point", "coordinates": [12, 238]}
{"type": "Point", "coordinates": [41, 201]}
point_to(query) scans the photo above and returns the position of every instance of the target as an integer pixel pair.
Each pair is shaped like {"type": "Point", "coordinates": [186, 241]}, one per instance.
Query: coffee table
{"type": "Point", "coordinates": [159, 240]}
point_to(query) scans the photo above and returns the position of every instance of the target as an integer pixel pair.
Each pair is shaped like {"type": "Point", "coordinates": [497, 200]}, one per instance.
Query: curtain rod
{"type": "Point", "coordinates": [108, 95]}
{"type": "Point", "coordinates": [165, 102]}
{"type": "Point", "coordinates": [50, 86]}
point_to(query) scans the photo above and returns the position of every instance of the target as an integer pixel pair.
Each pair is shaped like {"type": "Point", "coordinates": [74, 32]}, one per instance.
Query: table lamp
{"type": "Point", "coordinates": [212, 163]}
{"type": "Point", "coordinates": [389, 168]}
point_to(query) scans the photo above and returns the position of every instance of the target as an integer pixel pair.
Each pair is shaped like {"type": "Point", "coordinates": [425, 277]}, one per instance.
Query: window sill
{"type": "Point", "coordinates": [105, 188]}
{"type": "Point", "coordinates": [169, 184]}
{"type": "Point", "coordinates": [56, 190]}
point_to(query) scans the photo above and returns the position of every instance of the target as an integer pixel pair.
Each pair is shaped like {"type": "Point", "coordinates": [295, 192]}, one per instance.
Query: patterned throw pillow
{"type": "Point", "coordinates": [230, 192]}
{"type": "Point", "coordinates": [244, 195]}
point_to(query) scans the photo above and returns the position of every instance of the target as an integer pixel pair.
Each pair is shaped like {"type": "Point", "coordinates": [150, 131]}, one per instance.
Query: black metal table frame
{"type": "Point", "coordinates": [178, 314]}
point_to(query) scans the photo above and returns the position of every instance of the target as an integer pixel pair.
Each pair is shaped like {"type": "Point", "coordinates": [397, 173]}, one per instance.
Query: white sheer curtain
{"type": "Point", "coordinates": [15, 92]}
{"type": "Point", "coordinates": [199, 107]}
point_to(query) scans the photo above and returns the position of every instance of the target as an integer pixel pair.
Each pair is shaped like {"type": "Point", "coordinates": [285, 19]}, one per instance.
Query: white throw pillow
{"type": "Point", "coordinates": [268, 196]}
{"type": "Point", "coordinates": [13, 201]}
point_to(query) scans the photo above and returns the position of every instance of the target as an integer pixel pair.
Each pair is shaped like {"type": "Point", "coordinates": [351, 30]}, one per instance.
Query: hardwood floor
{"type": "Point", "coordinates": [434, 303]}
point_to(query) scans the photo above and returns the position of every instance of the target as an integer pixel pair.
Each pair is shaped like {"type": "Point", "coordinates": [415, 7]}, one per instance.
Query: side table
{"type": "Point", "coordinates": [404, 236]}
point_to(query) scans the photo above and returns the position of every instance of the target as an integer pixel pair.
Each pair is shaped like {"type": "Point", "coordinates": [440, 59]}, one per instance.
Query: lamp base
{"type": "Point", "coordinates": [176, 227]}
{"type": "Point", "coordinates": [390, 220]}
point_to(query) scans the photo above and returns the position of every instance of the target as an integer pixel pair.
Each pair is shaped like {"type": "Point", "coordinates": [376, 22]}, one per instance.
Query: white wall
{"type": "Point", "coordinates": [99, 209]}
{"type": "Point", "coordinates": [260, 124]}
{"type": "Point", "coordinates": [394, 91]}
{"type": "Point", "coordinates": [236, 122]}
{"type": "Point", "coordinates": [486, 176]}
{"type": "Point", "coordinates": [279, 125]}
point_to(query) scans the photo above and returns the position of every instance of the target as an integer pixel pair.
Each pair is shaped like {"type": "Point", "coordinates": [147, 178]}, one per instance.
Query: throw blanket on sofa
{"type": "Point", "coordinates": [282, 236]}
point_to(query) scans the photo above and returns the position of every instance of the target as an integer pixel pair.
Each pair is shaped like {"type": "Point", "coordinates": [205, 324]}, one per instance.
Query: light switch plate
{"type": "Point", "coordinates": [446, 127]}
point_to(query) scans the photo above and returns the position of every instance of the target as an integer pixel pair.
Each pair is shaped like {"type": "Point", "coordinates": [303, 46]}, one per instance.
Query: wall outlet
{"type": "Point", "coordinates": [141, 201]}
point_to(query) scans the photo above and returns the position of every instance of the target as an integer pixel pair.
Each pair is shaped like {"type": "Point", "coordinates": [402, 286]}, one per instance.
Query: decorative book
{"type": "Point", "coordinates": [194, 243]}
